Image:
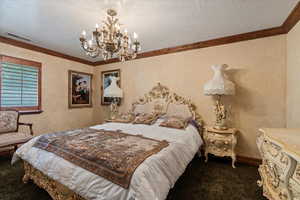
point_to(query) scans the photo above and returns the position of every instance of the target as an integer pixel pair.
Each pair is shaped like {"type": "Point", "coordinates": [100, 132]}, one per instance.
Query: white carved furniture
{"type": "Point", "coordinates": [220, 142]}
{"type": "Point", "coordinates": [280, 168]}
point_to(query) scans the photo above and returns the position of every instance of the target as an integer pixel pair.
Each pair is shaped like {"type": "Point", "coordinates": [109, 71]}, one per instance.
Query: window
{"type": "Point", "coordinates": [20, 84]}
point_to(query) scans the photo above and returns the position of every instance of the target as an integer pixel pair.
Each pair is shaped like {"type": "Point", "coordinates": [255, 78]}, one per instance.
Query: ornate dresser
{"type": "Point", "coordinates": [280, 168]}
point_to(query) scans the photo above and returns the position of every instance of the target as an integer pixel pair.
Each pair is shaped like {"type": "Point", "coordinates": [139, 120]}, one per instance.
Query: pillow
{"type": "Point", "coordinates": [123, 118]}
{"type": "Point", "coordinates": [175, 122]}
{"type": "Point", "coordinates": [179, 110]}
{"type": "Point", "coordinates": [144, 108]}
{"type": "Point", "coordinates": [158, 106]}
{"type": "Point", "coordinates": [146, 118]}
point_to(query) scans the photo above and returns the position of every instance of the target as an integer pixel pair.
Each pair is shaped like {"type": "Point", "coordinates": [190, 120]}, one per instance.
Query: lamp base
{"type": "Point", "coordinates": [221, 115]}
{"type": "Point", "coordinates": [114, 109]}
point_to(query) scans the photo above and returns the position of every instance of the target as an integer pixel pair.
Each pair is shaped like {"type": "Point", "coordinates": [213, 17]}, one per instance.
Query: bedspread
{"type": "Point", "coordinates": [152, 180]}
{"type": "Point", "coordinates": [110, 154]}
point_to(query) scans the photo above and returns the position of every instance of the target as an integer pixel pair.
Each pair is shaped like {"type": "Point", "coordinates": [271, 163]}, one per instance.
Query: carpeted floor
{"type": "Point", "coordinates": [215, 180]}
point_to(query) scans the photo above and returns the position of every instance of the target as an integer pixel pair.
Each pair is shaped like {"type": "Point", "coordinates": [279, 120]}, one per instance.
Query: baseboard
{"type": "Point", "coordinates": [249, 160]}
{"type": "Point", "coordinates": [6, 151]}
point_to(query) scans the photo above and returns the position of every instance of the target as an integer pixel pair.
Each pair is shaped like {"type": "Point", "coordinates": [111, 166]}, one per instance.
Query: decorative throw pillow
{"type": "Point", "coordinates": [179, 110]}
{"type": "Point", "coordinates": [146, 118]}
{"type": "Point", "coordinates": [123, 118]}
{"type": "Point", "coordinates": [143, 108]}
{"type": "Point", "coordinates": [175, 122]}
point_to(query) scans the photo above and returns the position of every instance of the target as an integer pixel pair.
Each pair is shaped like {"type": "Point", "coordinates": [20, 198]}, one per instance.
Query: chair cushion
{"type": "Point", "coordinates": [13, 138]}
{"type": "Point", "coordinates": [8, 121]}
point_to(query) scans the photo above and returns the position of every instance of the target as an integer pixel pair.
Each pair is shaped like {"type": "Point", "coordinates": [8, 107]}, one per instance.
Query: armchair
{"type": "Point", "coordinates": [9, 129]}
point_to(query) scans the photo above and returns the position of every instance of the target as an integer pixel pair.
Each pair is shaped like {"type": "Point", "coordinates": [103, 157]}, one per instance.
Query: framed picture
{"type": "Point", "coordinates": [80, 89]}
{"type": "Point", "coordinates": [105, 82]}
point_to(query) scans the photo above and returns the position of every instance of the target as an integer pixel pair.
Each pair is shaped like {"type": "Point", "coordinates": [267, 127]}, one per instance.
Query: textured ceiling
{"type": "Point", "coordinates": [57, 24]}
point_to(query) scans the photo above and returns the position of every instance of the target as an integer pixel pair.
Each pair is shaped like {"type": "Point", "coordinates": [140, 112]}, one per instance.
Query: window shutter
{"type": "Point", "coordinates": [19, 85]}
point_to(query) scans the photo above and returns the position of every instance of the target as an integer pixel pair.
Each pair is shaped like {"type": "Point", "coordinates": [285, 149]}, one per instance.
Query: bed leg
{"type": "Point", "coordinates": [26, 178]}
{"type": "Point", "coordinates": [199, 153]}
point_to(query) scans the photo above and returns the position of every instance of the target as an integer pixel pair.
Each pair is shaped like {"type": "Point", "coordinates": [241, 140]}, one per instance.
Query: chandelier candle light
{"type": "Point", "coordinates": [110, 41]}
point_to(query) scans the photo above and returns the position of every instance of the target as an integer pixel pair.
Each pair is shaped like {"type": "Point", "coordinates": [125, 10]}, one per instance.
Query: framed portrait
{"type": "Point", "coordinates": [105, 82]}
{"type": "Point", "coordinates": [80, 89]}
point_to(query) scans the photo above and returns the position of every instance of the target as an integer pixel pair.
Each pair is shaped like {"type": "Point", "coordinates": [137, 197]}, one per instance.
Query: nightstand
{"type": "Point", "coordinates": [220, 142]}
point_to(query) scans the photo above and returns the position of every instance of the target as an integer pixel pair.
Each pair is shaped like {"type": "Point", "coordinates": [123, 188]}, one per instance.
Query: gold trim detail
{"type": "Point", "coordinates": [56, 190]}
{"type": "Point", "coordinates": [278, 170]}
{"type": "Point", "coordinates": [280, 142]}
{"type": "Point", "coordinates": [161, 96]}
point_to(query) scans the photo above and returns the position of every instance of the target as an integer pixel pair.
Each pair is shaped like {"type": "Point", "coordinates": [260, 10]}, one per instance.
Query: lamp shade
{"type": "Point", "coordinates": [113, 89]}
{"type": "Point", "coordinates": [219, 84]}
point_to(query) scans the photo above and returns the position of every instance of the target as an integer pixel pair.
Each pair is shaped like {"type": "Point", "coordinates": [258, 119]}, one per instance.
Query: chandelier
{"type": "Point", "coordinates": [110, 41]}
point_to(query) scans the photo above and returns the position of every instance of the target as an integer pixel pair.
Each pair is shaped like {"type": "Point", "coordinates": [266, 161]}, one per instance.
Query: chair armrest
{"type": "Point", "coordinates": [27, 124]}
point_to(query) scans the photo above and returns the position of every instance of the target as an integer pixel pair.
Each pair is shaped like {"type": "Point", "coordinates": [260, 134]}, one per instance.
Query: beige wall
{"type": "Point", "coordinates": [258, 69]}
{"type": "Point", "coordinates": [56, 115]}
{"type": "Point", "coordinates": [293, 77]}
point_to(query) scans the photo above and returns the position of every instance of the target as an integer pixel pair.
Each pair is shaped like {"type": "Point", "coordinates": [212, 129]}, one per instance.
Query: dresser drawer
{"type": "Point", "coordinates": [274, 153]}
{"type": "Point", "coordinates": [296, 175]}
{"type": "Point", "coordinates": [280, 169]}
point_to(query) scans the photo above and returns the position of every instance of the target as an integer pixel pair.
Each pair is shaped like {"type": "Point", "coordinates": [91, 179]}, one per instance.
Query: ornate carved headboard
{"type": "Point", "coordinates": [160, 97]}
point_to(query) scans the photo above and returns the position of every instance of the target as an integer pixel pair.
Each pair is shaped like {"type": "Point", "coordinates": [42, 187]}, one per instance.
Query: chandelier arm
{"type": "Point", "coordinates": [87, 49]}
{"type": "Point", "coordinates": [110, 41]}
{"type": "Point", "coordinates": [96, 55]}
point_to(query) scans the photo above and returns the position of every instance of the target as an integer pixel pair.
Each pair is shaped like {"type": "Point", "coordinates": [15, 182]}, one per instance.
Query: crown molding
{"type": "Point", "coordinates": [289, 23]}
{"type": "Point", "coordinates": [203, 44]}
{"type": "Point", "coordinates": [42, 50]}
{"type": "Point", "coordinates": [292, 19]}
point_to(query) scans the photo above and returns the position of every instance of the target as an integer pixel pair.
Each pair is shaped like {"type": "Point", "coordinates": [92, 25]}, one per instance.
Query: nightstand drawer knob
{"type": "Point", "coordinates": [226, 142]}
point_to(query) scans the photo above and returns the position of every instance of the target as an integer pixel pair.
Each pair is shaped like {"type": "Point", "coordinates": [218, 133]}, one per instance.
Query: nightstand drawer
{"type": "Point", "coordinates": [225, 151]}
{"type": "Point", "coordinates": [218, 138]}
{"type": "Point", "coordinates": [220, 142]}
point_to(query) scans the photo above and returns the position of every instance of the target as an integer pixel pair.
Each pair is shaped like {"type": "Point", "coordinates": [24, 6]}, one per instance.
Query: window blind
{"type": "Point", "coordinates": [19, 85]}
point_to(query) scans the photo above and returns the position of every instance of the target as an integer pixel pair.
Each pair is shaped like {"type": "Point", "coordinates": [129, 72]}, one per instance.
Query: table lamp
{"type": "Point", "coordinates": [113, 91]}
{"type": "Point", "coordinates": [218, 86]}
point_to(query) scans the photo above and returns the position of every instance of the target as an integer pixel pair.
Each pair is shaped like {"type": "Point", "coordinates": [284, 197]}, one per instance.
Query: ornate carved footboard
{"type": "Point", "coordinates": [56, 190]}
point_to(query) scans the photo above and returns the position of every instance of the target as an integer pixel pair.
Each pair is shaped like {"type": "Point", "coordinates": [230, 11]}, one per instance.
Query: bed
{"type": "Point", "coordinates": [151, 180]}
